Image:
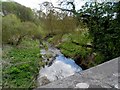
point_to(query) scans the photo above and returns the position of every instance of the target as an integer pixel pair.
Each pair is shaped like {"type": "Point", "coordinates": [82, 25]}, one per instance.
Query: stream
{"type": "Point", "coordinates": [57, 67]}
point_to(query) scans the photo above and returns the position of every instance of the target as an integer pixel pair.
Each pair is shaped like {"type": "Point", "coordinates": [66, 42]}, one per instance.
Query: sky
{"type": "Point", "coordinates": [34, 4]}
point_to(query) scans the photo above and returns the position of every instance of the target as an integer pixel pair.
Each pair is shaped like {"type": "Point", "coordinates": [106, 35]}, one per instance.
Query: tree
{"type": "Point", "coordinates": [10, 24]}
{"type": "Point", "coordinates": [103, 27]}
{"type": "Point", "coordinates": [22, 12]}
{"type": "Point", "coordinates": [54, 22]}
{"type": "Point", "coordinates": [25, 29]}
{"type": "Point", "coordinates": [14, 30]}
{"type": "Point", "coordinates": [103, 20]}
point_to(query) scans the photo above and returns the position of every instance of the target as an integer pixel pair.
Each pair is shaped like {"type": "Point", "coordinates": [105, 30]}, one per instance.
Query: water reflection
{"type": "Point", "coordinates": [60, 68]}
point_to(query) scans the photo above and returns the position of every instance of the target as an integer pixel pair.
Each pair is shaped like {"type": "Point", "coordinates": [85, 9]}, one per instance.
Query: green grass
{"type": "Point", "coordinates": [72, 50]}
{"type": "Point", "coordinates": [24, 64]}
{"type": "Point", "coordinates": [74, 47]}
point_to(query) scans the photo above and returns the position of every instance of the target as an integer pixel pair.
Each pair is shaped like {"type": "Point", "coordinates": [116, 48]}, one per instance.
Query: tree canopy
{"type": "Point", "coordinates": [104, 26]}
{"type": "Point", "coordinates": [24, 13]}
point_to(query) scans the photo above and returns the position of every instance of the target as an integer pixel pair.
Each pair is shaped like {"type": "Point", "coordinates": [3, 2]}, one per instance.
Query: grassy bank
{"type": "Point", "coordinates": [78, 47]}
{"type": "Point", "coordinates": [21, 64]}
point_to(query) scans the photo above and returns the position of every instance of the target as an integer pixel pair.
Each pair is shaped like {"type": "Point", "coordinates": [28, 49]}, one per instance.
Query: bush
{"type": "Point", "coordinates": [14, 30]}
{"type": "Point", "coordinates": [10, 24]}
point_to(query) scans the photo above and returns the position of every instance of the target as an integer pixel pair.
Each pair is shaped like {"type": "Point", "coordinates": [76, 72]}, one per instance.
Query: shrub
{"type": "Point", "coordinates": [14, 30]}
{"type": "Point", "coordinates": [10, 24]}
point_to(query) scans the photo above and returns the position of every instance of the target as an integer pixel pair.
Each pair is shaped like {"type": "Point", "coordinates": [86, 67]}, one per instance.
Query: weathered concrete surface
{"type": "Point", "coordinates": [102, 76]}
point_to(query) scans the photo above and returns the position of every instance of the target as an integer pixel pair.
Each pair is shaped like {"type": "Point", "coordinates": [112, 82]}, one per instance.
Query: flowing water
{"type": "Point", "coordinates": [58, 66]}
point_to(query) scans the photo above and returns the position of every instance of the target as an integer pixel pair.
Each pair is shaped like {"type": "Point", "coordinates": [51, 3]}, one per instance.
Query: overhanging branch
{"type": "Point", "coordinates": [64, 9]}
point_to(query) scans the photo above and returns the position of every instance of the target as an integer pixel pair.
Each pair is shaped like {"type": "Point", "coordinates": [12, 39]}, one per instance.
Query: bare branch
{"type": "Point", "coordinates": [64, 9]}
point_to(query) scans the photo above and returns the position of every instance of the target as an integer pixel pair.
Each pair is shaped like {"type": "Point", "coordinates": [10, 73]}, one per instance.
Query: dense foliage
{"type": "Point", "coordinates": [104, 27]}
{"type": "Point", "coordinates": [13, 30]}
{"type": "Point", "coordinates": [22, 12]}
{"type": "Point", "coordinates": [9, 27]}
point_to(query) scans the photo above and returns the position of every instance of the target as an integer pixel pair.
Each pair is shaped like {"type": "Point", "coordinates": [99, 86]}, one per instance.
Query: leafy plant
{"type": "Point", "coordinates": [22, 12]}
{"type": "Point", "coordinates": [104, 27]}
{"type": "Point", "coordinates": [25, 62]}
{"type": "Point", "coordinates": [14, 30]}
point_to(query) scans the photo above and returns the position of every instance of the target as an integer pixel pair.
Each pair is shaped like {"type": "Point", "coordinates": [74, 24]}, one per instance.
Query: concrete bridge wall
{"type": "Point", "coordinates": [105, 75]}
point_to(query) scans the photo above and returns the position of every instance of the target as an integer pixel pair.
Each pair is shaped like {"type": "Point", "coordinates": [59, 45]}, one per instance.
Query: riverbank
{"type": "Point", "coordinates": [21, 64]}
